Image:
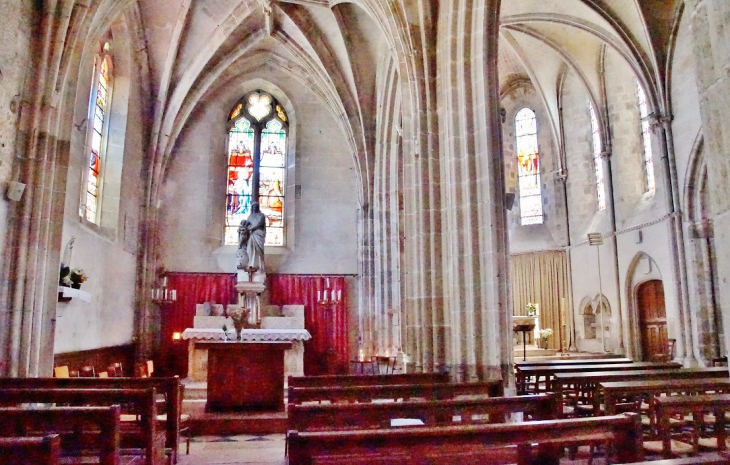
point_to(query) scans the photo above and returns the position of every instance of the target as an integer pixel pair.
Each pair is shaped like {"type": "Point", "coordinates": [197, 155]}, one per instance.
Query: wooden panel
{"type": "Point", "coordinates": [246, 376]}
{"type": "Point", "coordinates": [652, 318]}
{"type": "Point", "coordinates": [100, 358]}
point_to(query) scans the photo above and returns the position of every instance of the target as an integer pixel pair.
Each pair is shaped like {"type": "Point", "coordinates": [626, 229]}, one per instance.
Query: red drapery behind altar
{"type": "Point", "coordinates": [192, 289]}
{"type": "Point", "coordinates": [327, 351]}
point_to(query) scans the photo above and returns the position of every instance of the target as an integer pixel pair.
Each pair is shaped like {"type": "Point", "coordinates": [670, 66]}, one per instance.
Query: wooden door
{"type": "Point", "coordinates": [652, 318]}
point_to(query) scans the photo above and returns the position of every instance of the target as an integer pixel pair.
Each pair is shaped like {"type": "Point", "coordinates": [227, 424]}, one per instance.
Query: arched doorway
{"type": "Point", "coordinates": [652, 317]}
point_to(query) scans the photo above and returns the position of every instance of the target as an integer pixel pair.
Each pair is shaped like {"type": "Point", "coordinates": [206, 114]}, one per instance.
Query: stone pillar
{"type": "Point", "coordinates": [710, 25]}
{"type": "Point", "coordinates": [476, 312]}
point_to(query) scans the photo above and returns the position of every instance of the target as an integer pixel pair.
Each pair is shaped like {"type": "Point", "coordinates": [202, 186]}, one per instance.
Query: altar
{"type": "Point", "coordinates": [245, 374]}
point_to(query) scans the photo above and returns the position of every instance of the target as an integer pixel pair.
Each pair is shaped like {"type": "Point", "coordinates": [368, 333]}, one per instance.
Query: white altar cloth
{"type": "Point", "coordinates": [248, 335]}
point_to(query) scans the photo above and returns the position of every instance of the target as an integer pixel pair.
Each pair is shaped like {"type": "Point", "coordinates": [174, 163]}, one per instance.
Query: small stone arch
{"type": "Point", "coordinates": [642, 268]}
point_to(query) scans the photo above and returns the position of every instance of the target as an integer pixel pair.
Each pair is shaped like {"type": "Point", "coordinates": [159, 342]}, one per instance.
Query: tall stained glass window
{"type": "Point", "coordinates": [646, 138]}
{"type": "Point", "coordinates": [98, 128]}
{"type": "Point", "coordinates": [528, 167]}
{"type": "Point", "coordinates": [257, 141]}
{"type": "Point", "coordinates": [597, 162]}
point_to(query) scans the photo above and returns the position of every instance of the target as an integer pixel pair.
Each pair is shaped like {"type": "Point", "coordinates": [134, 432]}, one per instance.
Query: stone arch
{"type": "Point", "coordinates": [642, 268]}
{"type": "Point", "coordinates": [706, 319]}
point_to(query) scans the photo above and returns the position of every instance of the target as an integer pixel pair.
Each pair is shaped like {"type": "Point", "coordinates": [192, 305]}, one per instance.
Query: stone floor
{"type": "Point", "coordinates": [232, 450]}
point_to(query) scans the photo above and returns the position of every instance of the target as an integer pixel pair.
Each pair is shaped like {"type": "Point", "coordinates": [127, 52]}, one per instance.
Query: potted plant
{"type": "Point", "coordinates": [77, 276]}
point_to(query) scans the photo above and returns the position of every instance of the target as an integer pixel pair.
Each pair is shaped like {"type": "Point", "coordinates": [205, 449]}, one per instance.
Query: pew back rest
{"type": "Point", "coordinates": [170, 387]}
{"type": "Point", "coordinates": [367, 380]}
{"type": "Point", "coordinates": [321, 417]}
{"type": "Point", "coordinates": [138, 402]}
{"type": "Point", "coordinates": [418, 445]}
{"type": "Point", "coordinates": [297, 395]}
{"type": "Point", "coordinates": [39, 450]}
{"type": "Point", "coordinates": [89, 429]}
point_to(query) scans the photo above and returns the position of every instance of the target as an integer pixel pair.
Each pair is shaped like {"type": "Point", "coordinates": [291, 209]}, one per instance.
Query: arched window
{"type": "Point", "coordinates": [597, 162]}
{"type": "Point", "coordinates": [98, 129]}
{"type": "Point", "coordinates": [257, 145]}
{"type": "Point", "coordinates": [646, 138]}
{"type": "Point", "coordinates": [528, 167]}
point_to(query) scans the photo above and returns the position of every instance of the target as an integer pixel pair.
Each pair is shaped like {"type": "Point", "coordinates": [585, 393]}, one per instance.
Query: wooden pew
{"type": "Point", "coordinates": [170, 387]}
{"type": "Point", "coordinates": [447, 445]}
{"type": "Point", "coordinates": [697, 406]}
{"type": "Point", "coordinates": [297, 395]}
{"type": "Point", "coordinates": [39, 450]}
{"type": "Point", "coordinates": [141, 402]}
{"type": "Point", "coordinates": [367, 380]}
{"type": "Point", "coordinates": [588, 382]}
{"type": "Point", "coordinates": [548, 372]}
{"type": "Point", "coordinates": [521, 380]}
{"type": "Point", "coordinates": [614, 392]}
{"type": "Point", "coordinates": [320, 417]}
{"type": "Point", "coordinates": [82, 431]}
{"type": "Point", "coordinates": [704, 459]}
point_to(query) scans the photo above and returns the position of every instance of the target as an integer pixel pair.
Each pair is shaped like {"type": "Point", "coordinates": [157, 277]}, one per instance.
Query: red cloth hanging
{"type": "Point", "coordinates": [327, 351]}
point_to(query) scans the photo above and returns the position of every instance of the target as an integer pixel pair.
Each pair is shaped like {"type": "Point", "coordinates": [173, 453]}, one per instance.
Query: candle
{"type": "Point", "coordinates": [328, 283]}
{"type": "Point", "coordinates": [175, 336]}
{"type": "Point", "coordinates": [174, 294]}
{"type": "Point", "coordinates": [164, 281]}
{"type": "Point", "coordinates": [339, 295]}
{"type": "Point", "coordinates": [361, 355]}
{"type": "Point", "coordinates": [165, 294]}
{"type": "Point", "coordinates": [325, 294]}
{"type": "Point", "coordinates": [319, 296]}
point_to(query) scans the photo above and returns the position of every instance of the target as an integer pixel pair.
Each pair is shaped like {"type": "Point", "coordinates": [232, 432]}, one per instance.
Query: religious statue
{"type": "Point", "coordinates": [251, 239]}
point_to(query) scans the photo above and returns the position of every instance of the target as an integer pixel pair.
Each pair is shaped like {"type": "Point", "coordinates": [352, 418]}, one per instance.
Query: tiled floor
{"type": "Point", "coordinates": [232, 450]}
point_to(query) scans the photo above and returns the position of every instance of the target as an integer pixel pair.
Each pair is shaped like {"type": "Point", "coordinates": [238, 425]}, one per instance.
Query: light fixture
{"type": "Point", "coordinates": [161, 294]}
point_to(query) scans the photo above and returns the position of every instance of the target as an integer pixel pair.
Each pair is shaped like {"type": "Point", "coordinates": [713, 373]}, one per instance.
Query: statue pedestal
{"type": "Point", "coordinates": [249, 298]}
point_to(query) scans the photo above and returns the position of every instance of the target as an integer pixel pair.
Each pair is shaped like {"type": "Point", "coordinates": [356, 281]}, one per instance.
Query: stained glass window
{"type": "Point", "coordinates": [528, 167]}
{"type": "Point", "coordinates": [257, 145]}
{"type": "Point", "coordinates": [646, 138]}
{"type": "Point", "coordinates": [597, 162]}
{"type": "Point", "coordinates": [100, 93]}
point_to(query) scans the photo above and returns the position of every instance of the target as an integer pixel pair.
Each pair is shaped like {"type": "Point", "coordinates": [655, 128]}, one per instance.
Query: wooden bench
{"type": "Point", "coordinates": [586, 384]}
{"type": "Point", "coordinates": [521, 381]}
{"type": "Point", "coordinates": [697, 406]}
{"type": "Point", "coordinates": [298, 395]}
{"type": "Point", "coordinates": [646, 390]}
{"type": "Point", "coordinates": [442, 412]}
{"type": "Point", "coordinates": [170, 387]}
{"type": "Point", "coordinates": [83, 432]}
{"type": "Point", "coordinates": [367, 380]}
{"type": "Point", "coordinates": [538, 373]}
{"type": "Point", "coordinates": [141, 434]}
{"type": "Point", "coordinates": [704, 459]}
{"type": "Point", "coordinates": [39, 450]}
{"type": "Point", "coordinates": [457, 445]}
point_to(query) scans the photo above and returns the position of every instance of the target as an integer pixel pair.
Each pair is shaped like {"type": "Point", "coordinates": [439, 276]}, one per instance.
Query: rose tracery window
{"type": "Point", "coordinates": [257, 147]}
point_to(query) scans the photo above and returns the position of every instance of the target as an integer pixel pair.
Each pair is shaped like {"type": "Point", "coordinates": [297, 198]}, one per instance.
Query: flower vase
{"type": "Point", "coordinates": [238, 326]}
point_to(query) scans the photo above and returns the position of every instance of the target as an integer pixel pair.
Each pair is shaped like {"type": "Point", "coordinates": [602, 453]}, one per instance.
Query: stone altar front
{"type": "Point", "coordinates": [200, 338]}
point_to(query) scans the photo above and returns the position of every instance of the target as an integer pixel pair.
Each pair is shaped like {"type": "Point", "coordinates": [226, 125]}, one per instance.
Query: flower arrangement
{"type": "Point", "coordinates": [72, 277]}
{"type": "Point", "coordinates": [531, 309]}
{"type": "Point", "coordinates": [545, 333]}
{"type": "Point", "coordinates": [78, 276]}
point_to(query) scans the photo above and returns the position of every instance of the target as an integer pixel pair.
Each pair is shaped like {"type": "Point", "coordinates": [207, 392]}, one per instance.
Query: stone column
{"type": "Point", "coordinates": [710, 25]}
{"type": "Point", "coordinates": [476, 312]}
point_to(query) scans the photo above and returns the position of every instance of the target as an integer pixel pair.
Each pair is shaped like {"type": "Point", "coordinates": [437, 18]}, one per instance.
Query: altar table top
{"type": "Point", "coordinates": [247, 335]}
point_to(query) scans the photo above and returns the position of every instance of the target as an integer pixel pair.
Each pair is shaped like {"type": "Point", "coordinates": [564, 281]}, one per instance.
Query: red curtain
{"type": "Point", "coordinates": [192, 289]}
{"type": "Point", "coordinates": [327, 351]}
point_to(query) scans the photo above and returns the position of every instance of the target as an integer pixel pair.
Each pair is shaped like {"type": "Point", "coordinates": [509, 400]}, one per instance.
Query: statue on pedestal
{"type": "Point", "coordinates": [251, 239]}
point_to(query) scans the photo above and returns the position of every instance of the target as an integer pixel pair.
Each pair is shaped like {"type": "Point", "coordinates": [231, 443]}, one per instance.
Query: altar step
{"type": "Point", "coordinates": [229, 424]}
{"type": "Point", "coordinates": [531, 351]}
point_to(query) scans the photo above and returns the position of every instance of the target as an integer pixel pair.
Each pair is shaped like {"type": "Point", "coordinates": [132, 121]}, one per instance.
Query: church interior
{"type": "Point", "coordinates": [448, 187]}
